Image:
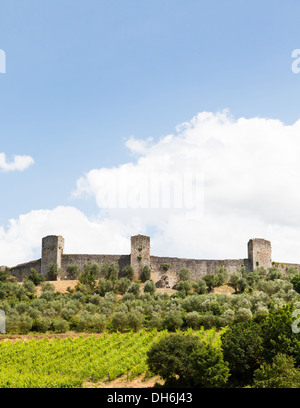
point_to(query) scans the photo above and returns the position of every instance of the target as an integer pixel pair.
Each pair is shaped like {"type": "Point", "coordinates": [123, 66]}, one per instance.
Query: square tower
{"type": "Point", "coordinates": [259, 253]}
{"type": "Point", "coordinates": [140, 253]}
{"type": "Point", "coordinates": [52, 250]}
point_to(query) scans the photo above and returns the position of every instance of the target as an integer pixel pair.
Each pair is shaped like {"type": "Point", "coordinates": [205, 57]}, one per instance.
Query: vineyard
{"type": "Point", "coordinates": [69, 362]}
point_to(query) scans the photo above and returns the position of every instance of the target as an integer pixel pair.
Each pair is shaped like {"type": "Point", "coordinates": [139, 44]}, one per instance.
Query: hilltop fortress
{"type": "Point", "coordinates": [163, 269]}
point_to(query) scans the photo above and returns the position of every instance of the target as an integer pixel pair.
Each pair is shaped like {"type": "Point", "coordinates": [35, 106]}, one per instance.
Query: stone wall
{"type": "Point", "coordinates": [259, 254]}
{"type": "Point", "coordinates": [197, 267]}
{"type": "Point", "coordinates": [80, 260]}
{"type": "Point", "coordinates": [22, 270]}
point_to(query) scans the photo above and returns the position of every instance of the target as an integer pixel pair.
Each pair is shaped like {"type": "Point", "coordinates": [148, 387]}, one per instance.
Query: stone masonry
{"type": "Point", "coordinates": [259, 255]}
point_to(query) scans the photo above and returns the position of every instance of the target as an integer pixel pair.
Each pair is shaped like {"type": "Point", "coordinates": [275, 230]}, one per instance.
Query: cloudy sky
{"type": "Point", "coordinates": [171, 118]}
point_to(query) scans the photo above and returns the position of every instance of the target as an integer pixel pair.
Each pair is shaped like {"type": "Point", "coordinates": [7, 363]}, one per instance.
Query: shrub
{"type": "Point", "coordinates": [296, 282]}
{"type": "Point", "coordinates": [184, 274]}
{"type": "Point", "coordinates": [150, 287]}
{"type": "Point", "coordinates": [242, 346]}
{"type": "Point", "coordinates": [145, 274]}
{"type": "Point", "coordinates": [172, 320]}
{"type": "Point", "coordinates": [72, 271]}
{"type": "Point", "coordinates": [41, 324]}
{"type": "Point", "coordinates": [35, 277]}
{"type": "Point", "coordinates": [128, 272]}
{"type": "Point", "coordinates": [90, 274]}
{"type": "Point", "coordinates": [47, 295]}
{"type": "Point", "coordinates": [119, 321]}
{"type": "Point", "coordinates": [97, 323]}
{"type": "Point", "coordinates": [234, 280]}
{"type": "Point", "coordinates": [135, 320]}
{"type": "Point", "coordinates": [210, 281]}
{"type": "Point", "coordinates": [29, 286]}
{"type": "Point", "coordinates": [122, 285]}
{"type": "Point", "coordinates": [200, 287]}
{"type": "Point", "coordinates": [134, 288]}
{"type": "Point", "coordinates": [60, 325]}
{"type": "Point", "coordinates": [273, 274]}
{"type": "Point", "coordinates": [188, 361]}
{"type": "Point", "coordinates": [104, 286]}
{"type": "Point", "coordinates": [193, 319]}
{"type": "Point", "coordinates": [280, 374]}
{"type": "Point", "coordinates": [184, 287]}
{"type": "Point", "coordinates": [53, 271]}
{"type": "Point", "coordinates": [243, 314]}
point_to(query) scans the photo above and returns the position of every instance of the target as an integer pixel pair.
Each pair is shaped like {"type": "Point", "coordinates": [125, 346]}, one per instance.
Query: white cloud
{"type": "Point", "coordinates": [20, 162]}
{"type": "Point", "coordinates": [251, 174]}
{"type": "Point", "coordinates": [21, 240]}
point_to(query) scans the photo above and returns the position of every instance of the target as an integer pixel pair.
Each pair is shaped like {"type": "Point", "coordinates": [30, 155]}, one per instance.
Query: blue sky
{"type": "Point", "coordinates": [83, 77]}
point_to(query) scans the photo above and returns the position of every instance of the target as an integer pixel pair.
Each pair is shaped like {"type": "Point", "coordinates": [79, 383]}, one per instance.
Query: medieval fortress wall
{"type": "Point", "coordinates": [259, 255]}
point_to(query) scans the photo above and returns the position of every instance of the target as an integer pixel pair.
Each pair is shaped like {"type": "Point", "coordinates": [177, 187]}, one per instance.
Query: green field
{"type": "Point", "coordinates": [69, 362]}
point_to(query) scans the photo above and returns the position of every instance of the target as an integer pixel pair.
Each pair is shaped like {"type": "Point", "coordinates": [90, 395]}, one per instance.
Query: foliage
{"type": "Point", "coordinates": [145, 273]}
{"type": "Point", "coordinates": [53, 271]}
{"type": "Point", "coordinates": [150, 287]}
{"type": "Point", "coordinates": [278, 334]}
{"type": "Point", "coordinates": [35, 277]}
{"type": "Point", "coordinates": [184, 274]}
{"type": "Point", "coordinates": [296, 282]}
{"type": "Point", "coordinates": [243, 349]}
{"type": "Point", "coordinates": [200, 287]}
{"type": "Point", "coordinates": [90, 274]}
{"type": "Point", "coordinates": [280, 374]}
{"type": "Point", "coordinates": [128, 272]}
{"type": "Point", "coordinates": [72, 271]}
{"type": "Point", "coordinates": [186, 360]}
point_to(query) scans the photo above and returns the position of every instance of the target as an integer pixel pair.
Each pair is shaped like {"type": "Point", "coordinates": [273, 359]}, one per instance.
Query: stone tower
{"type": "Point", "coordinates": [259, 253]}
{"type": "Point", "coordinates": [52, 250]}
{"type": "Point", "coordinates": [140, 253]}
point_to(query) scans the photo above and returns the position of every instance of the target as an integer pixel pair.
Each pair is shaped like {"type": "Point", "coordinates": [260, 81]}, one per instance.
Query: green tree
{"type": "Point", "coordinates": [90, 274]}
{"type": "Point", "coordinates": [122, 285]}
{"type": "Point", "coordinates": [104, 286]}
{"type": "Point", "coordinates": [296, 282]}
{"type": "Point", "coordinates": [242, 346]}
{"type": "Point", "coordinates": [278, 334]}
{"type": "Point", "coordinates": [119, 320]}
{"type": "Point", "coordinates": [128, 272]}
{"type": "Point", "coordinates": [134, 288]}
{"type": "Point", "coordinates": [53, 271]}
{"type": "Point", "coordinates": [145, 274]}
{"type": "Point", "coordinates": [200, 287]}
{"type": "Point", "coordinates": [73, 271]}
{"type": "Point", "coordinates": [113, 272]}
{"type": "Point", "coordinates": [210, 281]}
{"type": "Point", "coordinates": [185, 360]}
{"type": "Point", "coordinates": [280, 374]}
{"type": "Point", "coordinates": [35, 277]}
{"type": "Point", "coordinates": [184, 274]}
{"type": "Point", "coordinates": [172, 320]}
{"type": "Point", "coordinates": [183, 287]}
{"type": "Point", "coordinates": [149, 287]}
{"type": "Point", "coordinates": [234, 280]}
{"type": "Point", "coordinates": [135, 320]}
